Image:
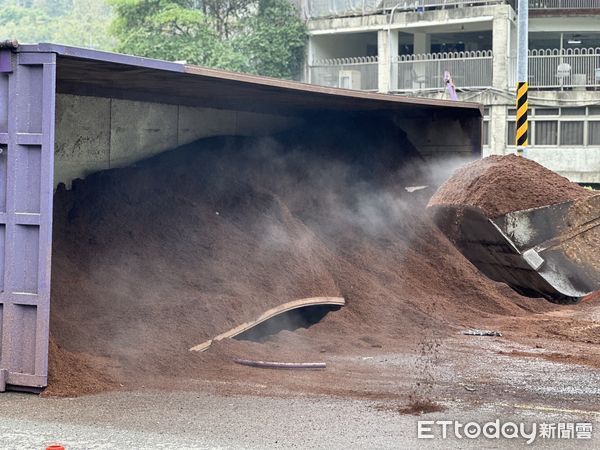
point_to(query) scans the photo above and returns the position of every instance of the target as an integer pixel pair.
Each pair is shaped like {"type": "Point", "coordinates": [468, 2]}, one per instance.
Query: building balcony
{"type": "Point", "coordinates": [549, 69]}
{"type": "Point", "coordinates": [320, 9]}
{"type": "Point", "coordinates": [576, 69]}
{"type": "Point", "coordinates": [359, 73]}
{"type": "Point", "coordinates": [545, 5]}
{"type": "Point", "coordinates": [426, 71]}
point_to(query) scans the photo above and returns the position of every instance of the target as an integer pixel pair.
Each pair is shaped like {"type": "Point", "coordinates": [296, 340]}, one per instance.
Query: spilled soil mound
{"type": "Point", "coordinates": [74, 373]}
{"type": "Point", "coordinates": [502, 184]}
{"type": "Point", "coordinates": [153, 259]}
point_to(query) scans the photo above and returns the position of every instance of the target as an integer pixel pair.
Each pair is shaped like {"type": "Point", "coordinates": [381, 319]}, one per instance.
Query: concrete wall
{"type": "Point", "coordinates": [581, 165]}
{"type": "Point", "coordinates": [96, 133]}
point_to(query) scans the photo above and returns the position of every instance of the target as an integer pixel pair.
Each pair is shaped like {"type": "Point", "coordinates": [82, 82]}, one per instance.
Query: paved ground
{"type": "Point", "coordinates": [202, 420]}
{"type": "Point", "coordinates": [491, 381]}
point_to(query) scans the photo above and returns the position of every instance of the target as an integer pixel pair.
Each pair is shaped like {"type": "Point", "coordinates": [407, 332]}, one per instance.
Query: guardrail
{"type": "Point", "coordinates": [315, 9]}
{"type": "Point", "coordinates": [419, 5]}
{"type": "Point", "coordinates": [426, 71]}
{"type": "Point", "coordinates": [350, 73]}
{"type": "Point", "coordinates": [553, 68]}
{"type": "Point", "coordinates": [548, 69]}
{"type": "Point", "coordinates": [564, 4]}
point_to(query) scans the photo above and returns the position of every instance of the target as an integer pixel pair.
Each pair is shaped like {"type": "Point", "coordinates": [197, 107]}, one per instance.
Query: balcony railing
{"type": "Point", "coordinates": [553, 68]}
{"type": "Point", "coordinates": [315, 9]}
{"type": "Point", "coordinates": [420, 5]}
{"type": "Point", "coordinates": [426, 71]}
{"type": "Point", "coordinates": [564, 4]}
{"type": "Point", "coordinates": [350, 73]}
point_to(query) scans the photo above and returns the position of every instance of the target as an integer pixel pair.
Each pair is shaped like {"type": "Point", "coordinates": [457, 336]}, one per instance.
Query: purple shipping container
{"type": "Point", "coordinates": [66, 112]}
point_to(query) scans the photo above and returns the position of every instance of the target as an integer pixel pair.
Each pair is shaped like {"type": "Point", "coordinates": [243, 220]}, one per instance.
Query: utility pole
{"type": "Point", "coordinates": [522, 86]}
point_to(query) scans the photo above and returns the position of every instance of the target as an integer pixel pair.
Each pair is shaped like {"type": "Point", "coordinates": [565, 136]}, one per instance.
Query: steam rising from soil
{"type": "Point", "coordinates": [153, 259]}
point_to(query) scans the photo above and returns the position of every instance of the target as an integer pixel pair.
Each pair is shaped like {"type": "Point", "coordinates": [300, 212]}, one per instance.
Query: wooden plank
{"type": "Point", "coordinates": [269, 314]}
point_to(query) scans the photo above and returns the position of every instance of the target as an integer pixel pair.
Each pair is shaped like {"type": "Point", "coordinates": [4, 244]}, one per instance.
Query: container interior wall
{"type": "Point", "coordinates": [442, 136]}
{"type": "Point", "coordinates": [99, 133]}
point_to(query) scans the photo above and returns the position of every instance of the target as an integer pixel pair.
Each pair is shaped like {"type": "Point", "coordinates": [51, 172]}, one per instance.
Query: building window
{"type": "Point", "coordinates": [594, 133]}
{"type": "Point", "coordinates": [546, 132]}
{"type": "Point", "coordinates": [485, 134]}
{"type": "Point", "coordinates": [510, 133]}
{"type": "Point", "coordinates": [546, 111]}
{"type": "Point", "coordinates": [571, 133]}
{"type": "Point", "coordinates": [572, 111]}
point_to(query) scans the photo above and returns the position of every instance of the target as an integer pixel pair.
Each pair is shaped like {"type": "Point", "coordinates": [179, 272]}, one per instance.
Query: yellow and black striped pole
{"type": "Point", "coordinates": [522, 123]}
{"type": "Point", "coordinates": [522, 48]}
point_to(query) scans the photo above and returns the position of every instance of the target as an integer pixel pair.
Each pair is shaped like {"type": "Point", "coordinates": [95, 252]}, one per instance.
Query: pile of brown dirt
{"type": "Point", "coordinates": [502, 184]}
{"type": "Point", "coordinates": [71, 373]}
{"type": "Point", "coordinates": [153, 259]}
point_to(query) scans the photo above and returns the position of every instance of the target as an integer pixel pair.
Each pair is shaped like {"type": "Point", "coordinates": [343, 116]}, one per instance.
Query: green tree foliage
{"type": "Point", "coordinates": [274, 45]}
{"type": "Point", "coordinates": [265, 37]}
{"type": "Point", "coordinates": [70, 22]}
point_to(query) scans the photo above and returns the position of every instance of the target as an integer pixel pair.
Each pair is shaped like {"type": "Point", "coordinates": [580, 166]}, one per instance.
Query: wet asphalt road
{"type": "Point", "coordinates": [149, 419]}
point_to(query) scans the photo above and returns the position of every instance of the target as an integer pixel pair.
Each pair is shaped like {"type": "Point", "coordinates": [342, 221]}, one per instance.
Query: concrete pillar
{"type": "Point", "coordinates": [498, 130]}
{"type": "Point", "coordinates": [422, 43]}
{"type": "Point", "coordinates": [512, 47]}
{"type": "Point", "coordinates": [384, 57]}
{"type": "Point", "coordinates": [310, 57]}
{"type": "Point", "coordinates": [501, 33]}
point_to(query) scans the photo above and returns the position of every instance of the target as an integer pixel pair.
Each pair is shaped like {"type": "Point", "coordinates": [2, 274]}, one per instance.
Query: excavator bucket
{"type": "Point", "coordinates": [552, 251]}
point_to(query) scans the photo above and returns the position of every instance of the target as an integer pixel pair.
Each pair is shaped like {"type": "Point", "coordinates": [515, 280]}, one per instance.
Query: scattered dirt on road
{"type": "Point", "coordinates": [419, 407]}
{"type": "Point", "coordinates": [415, 407]}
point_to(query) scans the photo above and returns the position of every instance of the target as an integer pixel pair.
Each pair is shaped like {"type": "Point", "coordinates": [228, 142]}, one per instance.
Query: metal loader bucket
{"type": "Point", "coordinates": [552, 251]}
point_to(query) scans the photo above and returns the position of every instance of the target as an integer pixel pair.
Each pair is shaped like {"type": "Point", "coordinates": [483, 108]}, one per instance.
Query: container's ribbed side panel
{"type": "Point", "coordinates": [27, 96]}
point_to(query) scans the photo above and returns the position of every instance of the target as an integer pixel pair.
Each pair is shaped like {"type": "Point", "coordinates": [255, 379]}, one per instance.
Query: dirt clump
{"type": "Point", "coordinates": [502, 184]}
{"type": "Point", "coordinates": [415, 407]}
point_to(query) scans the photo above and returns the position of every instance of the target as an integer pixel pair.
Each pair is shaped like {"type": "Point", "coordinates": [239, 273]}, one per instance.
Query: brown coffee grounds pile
{"type": "Point", "coordinates": [502, 184]}
{"type": "Point", "coordinates": [71, 373]}
{"type": "Point", "coordinates": [153, 259]}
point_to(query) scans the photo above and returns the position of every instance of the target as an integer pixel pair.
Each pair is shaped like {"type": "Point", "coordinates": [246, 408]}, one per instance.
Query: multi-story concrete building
{"type": "Point", "coordinates": [405, 46]}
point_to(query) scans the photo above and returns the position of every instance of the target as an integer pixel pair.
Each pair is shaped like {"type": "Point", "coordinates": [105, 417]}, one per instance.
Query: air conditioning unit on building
{"type": "Point", "coordinates": [349, 79]}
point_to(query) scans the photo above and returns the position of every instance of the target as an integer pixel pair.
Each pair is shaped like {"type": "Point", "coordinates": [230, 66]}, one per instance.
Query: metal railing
{"type": "Point", "coordinates": [564, 4]}
{"type": "Point", "coordinates": [420, 5]}
{"type": "Point", "coordinates": [553, 68]}
{"type": "Point", "coordinates": [548, 69]}
{"type": "Point", "coordinates": [315, 9]}
{"type": "Point", "coordinates": [426, 72]}
{"type": "Point", "coordinates": [351, 73]}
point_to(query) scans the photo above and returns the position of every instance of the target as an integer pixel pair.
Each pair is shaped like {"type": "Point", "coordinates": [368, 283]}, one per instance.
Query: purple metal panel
{"type": "Point", "coordinates": [110, 57]}
{"type": "Point", "coordinates": [26, 218]}
{"type": "Point", "coordinates": [5, 61]}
